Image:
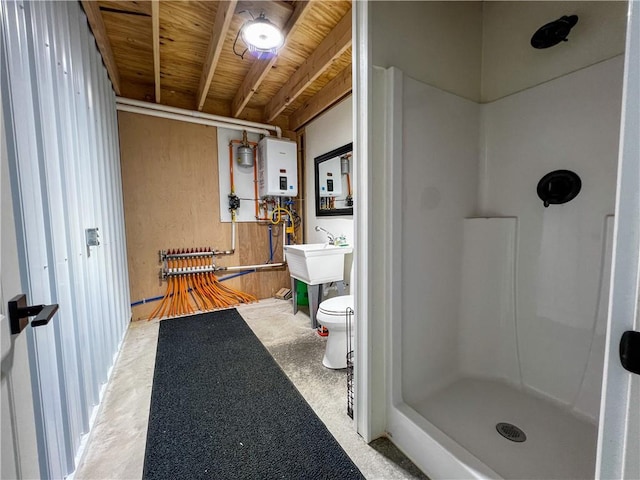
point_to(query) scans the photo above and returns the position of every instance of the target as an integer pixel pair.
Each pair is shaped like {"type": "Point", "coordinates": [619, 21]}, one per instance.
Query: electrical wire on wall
{"type": "Point", "coordinates": [287, 217]}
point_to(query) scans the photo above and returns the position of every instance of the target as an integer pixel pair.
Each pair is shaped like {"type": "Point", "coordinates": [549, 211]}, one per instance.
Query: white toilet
{"type": "Point", "coordinates": [332, 314]}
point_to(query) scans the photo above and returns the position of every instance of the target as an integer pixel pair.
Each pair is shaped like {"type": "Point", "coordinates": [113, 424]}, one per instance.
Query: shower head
{"type": "Point", "coordinates": [554, 32]}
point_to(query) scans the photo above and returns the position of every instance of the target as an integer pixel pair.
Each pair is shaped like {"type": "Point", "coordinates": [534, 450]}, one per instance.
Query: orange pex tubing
{"type": "Point", "coordinates": [195, 290]}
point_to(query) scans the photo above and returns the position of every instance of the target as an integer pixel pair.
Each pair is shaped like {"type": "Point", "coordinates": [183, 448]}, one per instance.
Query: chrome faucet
{"type": "Point", "coordinates": [330, 236]}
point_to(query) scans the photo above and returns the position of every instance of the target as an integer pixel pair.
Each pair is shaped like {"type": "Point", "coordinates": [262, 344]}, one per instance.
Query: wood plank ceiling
{"type": "Point", "coordinates": [181, 54]}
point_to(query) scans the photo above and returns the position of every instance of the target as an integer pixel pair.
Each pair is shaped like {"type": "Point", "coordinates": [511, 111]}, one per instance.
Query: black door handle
{"type": "Point", "coordinates": [630, 351]}
{"type": "Point", "coordinates": [19, 313]}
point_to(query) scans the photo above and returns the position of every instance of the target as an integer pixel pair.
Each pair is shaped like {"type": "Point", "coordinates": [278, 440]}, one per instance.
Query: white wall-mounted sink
{"type": "Point", "coordinates": [315, 263]}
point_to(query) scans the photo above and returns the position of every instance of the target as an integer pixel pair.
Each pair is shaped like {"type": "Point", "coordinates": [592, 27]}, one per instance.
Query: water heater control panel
{"type": "Point", "coordinates": [277, 168]}
{"type": "Point", "coordinates": [330, 178]}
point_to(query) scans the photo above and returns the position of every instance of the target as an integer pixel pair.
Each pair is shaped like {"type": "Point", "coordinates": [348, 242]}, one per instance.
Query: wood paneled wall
{"type": "Point", "coordinates": [170, 187]}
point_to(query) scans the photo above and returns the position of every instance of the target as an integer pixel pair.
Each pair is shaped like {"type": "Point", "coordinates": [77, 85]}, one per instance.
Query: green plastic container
{"type": "Point", "coordinates": [302, 293]}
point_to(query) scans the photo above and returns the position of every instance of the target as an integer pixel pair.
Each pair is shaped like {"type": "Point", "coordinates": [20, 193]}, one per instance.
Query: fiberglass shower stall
{"type": "Point", "coordinates": [498, 336]}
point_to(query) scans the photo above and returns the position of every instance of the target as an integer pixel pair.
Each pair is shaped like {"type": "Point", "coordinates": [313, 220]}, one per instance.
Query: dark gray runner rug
{"type": "Point", "coordinates": [221, 408]}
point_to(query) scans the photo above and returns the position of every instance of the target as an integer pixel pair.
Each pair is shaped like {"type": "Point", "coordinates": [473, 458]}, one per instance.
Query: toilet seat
{"type": "Point", "coordinates": [336, 306]}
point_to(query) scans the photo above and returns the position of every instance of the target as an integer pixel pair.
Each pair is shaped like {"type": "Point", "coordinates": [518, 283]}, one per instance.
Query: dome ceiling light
{"type": "Point", "coordinates": [262, 37]}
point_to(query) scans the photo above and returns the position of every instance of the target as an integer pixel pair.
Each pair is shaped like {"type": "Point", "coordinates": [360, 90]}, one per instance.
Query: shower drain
{"type": "Point", "coordinates": [511, 432]}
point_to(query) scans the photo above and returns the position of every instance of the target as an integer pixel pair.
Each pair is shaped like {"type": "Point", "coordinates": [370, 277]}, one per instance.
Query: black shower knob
{"type": "Point", "coordinates": [558, 187]}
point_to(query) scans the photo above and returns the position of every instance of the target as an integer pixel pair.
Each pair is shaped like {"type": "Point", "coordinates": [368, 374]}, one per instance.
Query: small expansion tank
{"type": "Point", "coordinates": [277, 168]}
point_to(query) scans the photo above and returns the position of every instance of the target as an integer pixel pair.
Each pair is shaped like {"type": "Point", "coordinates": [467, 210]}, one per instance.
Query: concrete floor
{"type": "Point", "coordinates": [116, 446]}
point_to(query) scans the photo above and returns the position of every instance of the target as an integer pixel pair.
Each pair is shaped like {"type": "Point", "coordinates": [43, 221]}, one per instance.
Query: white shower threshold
{"type": "Point", "coordinates": [558, 444]}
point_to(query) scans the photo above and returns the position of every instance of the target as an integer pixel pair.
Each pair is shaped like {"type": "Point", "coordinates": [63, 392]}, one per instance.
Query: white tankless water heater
{"type": "Point", "coordinates": [277, 168]}
{"type": "Point", "coordinates": [330, 178]}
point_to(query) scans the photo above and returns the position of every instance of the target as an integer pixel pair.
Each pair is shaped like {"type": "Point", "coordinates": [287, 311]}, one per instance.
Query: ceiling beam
{"type": "Point", "coordinates": [220, 28]}
{"type": "Point", "coordinates": [335, 90]}
{"type": "Point", "coordinates": [277, 11]}
{"type": "Point", "coordinates": [92, 10]}
{"type": "Point", "coordinates": [261, 68]}
{"type": "Point", "coordinates": [155, 21]}
{"type": "Point", "coordinates": [332, 47]}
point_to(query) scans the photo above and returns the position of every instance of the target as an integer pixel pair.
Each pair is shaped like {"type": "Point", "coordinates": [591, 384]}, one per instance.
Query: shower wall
{"type": "Point", "coordinates": [569, 123]}
{"type": "Point", "coordinates": [492, 285]}
{"type": "Point", "coordinates": [440, 183]}
{"type": "Point", "coordinates": [436, 42]}
{"type": "Point", "coordinates": [463, 159]}
{"type": "Point", "coordinates": [440, 188]}
{"type": "Point", "coordinates": [485, 116]}
{"type": "Point", "coordinates": [510, 65]}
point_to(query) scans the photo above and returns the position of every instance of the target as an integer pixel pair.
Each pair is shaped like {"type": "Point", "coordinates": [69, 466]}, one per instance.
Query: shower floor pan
{"type": "Point", "coordinates": [558, 445]}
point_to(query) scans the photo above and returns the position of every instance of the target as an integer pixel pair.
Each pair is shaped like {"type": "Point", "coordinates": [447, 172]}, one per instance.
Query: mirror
{"type": "Point", "coordinates": [334, 193]}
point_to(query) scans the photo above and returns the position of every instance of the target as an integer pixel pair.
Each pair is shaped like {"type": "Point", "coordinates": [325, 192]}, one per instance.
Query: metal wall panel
{"type": "Point", "coordinates": [65, 163]}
